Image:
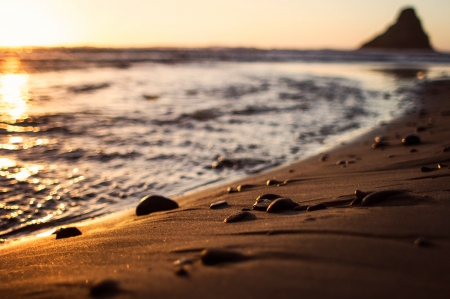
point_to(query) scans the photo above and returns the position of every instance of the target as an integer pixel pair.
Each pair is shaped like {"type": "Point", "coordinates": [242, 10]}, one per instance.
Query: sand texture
{"type": "Point", "coordinates": [396, 245]}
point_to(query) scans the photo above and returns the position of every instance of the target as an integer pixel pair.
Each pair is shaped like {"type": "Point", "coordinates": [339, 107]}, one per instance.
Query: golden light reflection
{"type": "Point", "coordinates": [13, 91]}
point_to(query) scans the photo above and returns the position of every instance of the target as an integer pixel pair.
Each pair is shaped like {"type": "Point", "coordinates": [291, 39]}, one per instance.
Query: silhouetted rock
{"type": "Point", "coordinates": [405, 34]}
{"type": "Point", "coordinates": [154, 203]}
{"type": "Point", "coordinates": [67, 232]}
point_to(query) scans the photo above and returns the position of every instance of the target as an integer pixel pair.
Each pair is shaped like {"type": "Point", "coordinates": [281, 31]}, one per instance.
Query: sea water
{"type": "Point", "coordinates": [78, 143]}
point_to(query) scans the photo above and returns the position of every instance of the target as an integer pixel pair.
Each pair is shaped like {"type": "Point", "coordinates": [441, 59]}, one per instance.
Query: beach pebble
{"type": "Point", "coordinates": [359, 193]}
{"type": "Point", "coordinates": [356, 201]}
{"type": "Point", "coordinates": [273, 182]}
{"type": "Point", "coordinates": [218, 204]}
{"type": "Point", "coordinates": [319, 206]}
{"type": "Point", "coordinates": [379, 196]}
{"type": "Point", "coordinates": [300, 208]}
{"type": "Point", "coordinates": [422, 242]}
{"type": "Point", "coordinates": [281, 204]}
{"type": "Point", "coordinates": [323, 158]}
{"type": "Point", "coordinates": [262, 205]}
{"type": "Point", "coordinates": [231, 190]}
{"type": "Point", "coordinates": [183, 261]}
{"type": "Point", "coordinates": [341, 162]}
{"type": "Point", "coordinates": [67, 232]}
{"type": "Point", "coordinates": [181, 271]}
{"type": "Point", "coordinates": [426, 169]}
{"type": "Point", "coordinates": [381, 139]}
{"type": "Point", "coordinates": [154, 203]}
{"type": "Point", "coordinates": [242, 188]}
{"type": "Point", "coordinates": [213, 256]}
{"type": "Point", "coordinates": [268, 196]}
{"type": "Point", "coordinates": [413, 150]}
{"type": "Point", "coordinates": [238, 216]}
{"type": "Point", "coordinates": [411, 139]}
{"type": "Point", "coordinates": [105, 288]}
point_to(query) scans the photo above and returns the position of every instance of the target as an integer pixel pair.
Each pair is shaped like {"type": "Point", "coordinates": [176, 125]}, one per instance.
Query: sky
{"type": "Point", "coordinates": [293, 24]}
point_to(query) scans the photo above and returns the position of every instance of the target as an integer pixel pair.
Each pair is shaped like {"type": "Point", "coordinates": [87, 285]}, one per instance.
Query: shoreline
{"type": "Point", "coordinates": [340, 252]}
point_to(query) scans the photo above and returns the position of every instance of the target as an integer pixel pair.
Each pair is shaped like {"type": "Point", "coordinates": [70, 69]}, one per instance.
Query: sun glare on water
{"type": "Point", "coordinates": [13, 91]}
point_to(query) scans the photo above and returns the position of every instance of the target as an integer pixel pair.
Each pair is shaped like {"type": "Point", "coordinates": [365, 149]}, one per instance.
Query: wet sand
{"type": "Point", "coordinates": [398, 247]}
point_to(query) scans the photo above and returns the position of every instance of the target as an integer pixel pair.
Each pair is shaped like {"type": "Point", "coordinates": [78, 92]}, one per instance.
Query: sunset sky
{"type": "Point", "coordinates": [301, 24]}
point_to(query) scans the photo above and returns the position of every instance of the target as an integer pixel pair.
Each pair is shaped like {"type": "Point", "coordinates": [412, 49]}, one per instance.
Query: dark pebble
{"type": "Point", "coordinates": [422, 242]}
{"type": "Point", "coordinates": [281, 204]}
{"type": "Point", "coordinates": [262, 205]}
{"type": "Point", "coordinates": [446, 149]}
{"type": "Point", "coordinates": [350, 162]}
{"type": "Point", "coordinates": [181, 271]}
{"type": "Point", "coordinates": [319, 206]}
{"type": "Point", "coordinates": [356, 201]}
{"type": "Point", "coordinates": [154, 203]}
{"type": "Point", "coordinates": [268, 196]}
{"type": "Point", "coordinates": [359, 193]}
{"type": "Point", "coordinates": [426, 169]}
{"type": "Point", "coordinates": [379, 145]}
{"type": "Point", "coordinates": [411, 139]}
{"type": "Point", "coordinates": [238, 216]}
{"type": "Point", "coordinates": [341, 162]}
{"type": "Point", "coordinates": [231, 190]}
{"type": "Point", "coordinates": [323, 158]}
{"type": "Point", "coordinates": [242, 188]}
{"type": "Point", "coordinates": [300, 208]}
{"type": "Point", "coordinates": [215, 256]}
{"type": "Point", "coordinates": [413, 150]}
{"type": "Point", "coordinates": [105, 288]}
{"type": "Point", "coordinates": [218, 204]}
{"type": "Point", "coordinates": [379, 196]}
{"type": "Point", "coordinates": [67, 232]}
{"type": "Point", "coordinates": [273, 182]}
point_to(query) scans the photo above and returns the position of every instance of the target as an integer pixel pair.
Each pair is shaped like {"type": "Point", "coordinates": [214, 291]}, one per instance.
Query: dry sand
{"type": "Point", "coordinates": [342, 251]}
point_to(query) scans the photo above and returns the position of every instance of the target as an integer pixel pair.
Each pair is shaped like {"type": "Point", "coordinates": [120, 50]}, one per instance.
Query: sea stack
{"type": "Point", "coordinates": [406, 34]}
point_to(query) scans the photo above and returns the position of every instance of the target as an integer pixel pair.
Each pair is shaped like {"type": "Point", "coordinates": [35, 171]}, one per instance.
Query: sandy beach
{"type": "Point", "coordinates": [398, 247]}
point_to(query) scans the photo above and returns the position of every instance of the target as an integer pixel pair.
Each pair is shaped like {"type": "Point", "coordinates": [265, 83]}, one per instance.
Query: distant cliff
{"type": "Point", "coordinates": [406, 34]}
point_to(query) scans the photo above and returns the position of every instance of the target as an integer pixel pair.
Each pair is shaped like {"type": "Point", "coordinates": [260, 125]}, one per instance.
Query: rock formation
{"type": "Point", "coordinates": [405, 34]}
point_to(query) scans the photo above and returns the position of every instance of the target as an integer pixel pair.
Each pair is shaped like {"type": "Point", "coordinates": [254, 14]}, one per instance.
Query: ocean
{"type": "Point", "coordinates": [87, 132]}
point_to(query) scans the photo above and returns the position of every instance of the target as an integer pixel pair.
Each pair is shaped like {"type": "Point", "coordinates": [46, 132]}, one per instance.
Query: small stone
{"type": "Point", "coordinates": [341, 162]}
{"type": "Point", "coordinates": [379, 196]}
{"type": "Point", "coordinates": [411, 139]}
{"type": "Point", "coordinates": [218, 204]}
{"type": "Point", "coordinates": [262, 205]}
{"type": "Point", "coordinates": [281, 204]}
{"type": "Point", "coordinates": [426, 169]}
{"type": "Point", "coordinates": [105, 288]}
{"type": "Point", "coordinates": [183, 261]}
{"type": "Point", "coordinates": [381, 140]}
{"type": "Point", "coordinates": [238, 216]}
{"type": "Point", "coordinates": [231, 190]}
{"type": "Point", "coordinates": [323, 158]}
{"type": "Point", "coordinates": [319, 206]}
{"type": "Point", "coordinates": [268, 196]}
{"type": "Point", "coordinates": [422, 242]}
{"type": "Point", "coordinates": [67, 232]}
{"type": "Point", "coordinates": [242, 188]}
{"type": "Point", "coordinates": [300, 208]}
{"type": "Point", "coordinates": [154, 203]}
{"type": "Point", "coordinates": [181, 271]}
{"type": "Point", "coordinates": [356, 201]}
{"type": "Point", "coordinates": [273, 182]}
{"type": "Point", "coordinates": [359, 193]}
{"type": "Point", "coordinates": [441, 166]}
{"type": "Point", "coordinates": [213, 256]}
{"type": "Point", "coordinates": [413, 150]}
